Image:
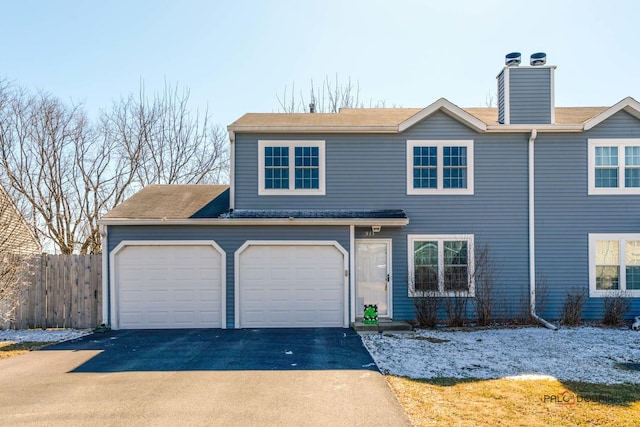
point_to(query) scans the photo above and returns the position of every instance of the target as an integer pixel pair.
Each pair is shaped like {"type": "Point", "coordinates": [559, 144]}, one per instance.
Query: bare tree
{"type": "Point", "coordinates": [70, 172]}
{"type": "Point", "coordinates": [329, 97]}
{"type": "Point", "coordinates": [165, 142]}
{"type": "Point", "coordinates": [489, 100]}
{"type": "Point", "coordinates": [38, 137]}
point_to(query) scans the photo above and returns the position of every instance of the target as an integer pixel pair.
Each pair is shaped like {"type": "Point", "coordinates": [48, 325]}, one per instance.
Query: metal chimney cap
{"type": "Point", "coordinates": [538, 59]}
{"type": "Point", "coordinates": [512, 59]}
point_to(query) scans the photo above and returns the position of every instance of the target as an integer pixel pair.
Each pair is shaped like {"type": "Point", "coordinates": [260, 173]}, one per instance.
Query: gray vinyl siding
{"type": "Point", "coordinates": [369, 172]}
{"type": "Point", "coordinates": [501, 98]}
{"type": "Point", "coordinates": [530, 95]}
{"type": "Point", "coordinates": [566, 214]}
{"type": "Point", "coordinates": [230, 238]}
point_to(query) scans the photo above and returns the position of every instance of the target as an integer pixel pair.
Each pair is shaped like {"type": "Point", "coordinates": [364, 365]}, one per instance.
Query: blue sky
{"type": "Point", "coordinates": [236, 55]}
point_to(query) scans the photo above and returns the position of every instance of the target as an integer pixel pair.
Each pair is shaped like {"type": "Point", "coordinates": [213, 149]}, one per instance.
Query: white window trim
{"type": "Point", "coordinates": [292, 191]}
{"type": "Point", "coordinates": [620, 237]}
{"type": "Point", "coordinates": [441, 238]}
{"type": "Point", "coordinates": [621, 143]}
{"type": "Point", "coordinates": [440, 144]}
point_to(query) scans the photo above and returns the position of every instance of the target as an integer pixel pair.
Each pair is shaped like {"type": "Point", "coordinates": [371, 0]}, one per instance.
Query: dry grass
{"type": "Point", "coordinates": [10, 349]}
{"type": "Point", "coordinates": [510, 402]}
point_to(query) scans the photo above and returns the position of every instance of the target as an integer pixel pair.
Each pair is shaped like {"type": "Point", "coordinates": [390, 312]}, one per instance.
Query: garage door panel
{"type": "Point", "coordinates": [208, 296]}
{"type": "Point", "coordinates": [305, 273]}
{"type": "Point", "coordinates": [277, 295]}
{"type": "Point", "coordinates": [278, 273]}
{"type": "Point", "coordinates": [331, 274]}
{"type": "Point", "coordinates": [169, 286]}
{"type": "Point", "coordinates": [291, 286]}
{"type": "Point", "coordinates": [129, 318]}
{"type": "Point", "coordinates": [157, 319]}
{"type": "Point", "coordinates": [184, 296]}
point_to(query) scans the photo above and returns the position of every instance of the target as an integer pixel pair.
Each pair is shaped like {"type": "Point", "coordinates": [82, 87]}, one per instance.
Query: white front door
{"type": "Point", "coordinates": [373, 275]}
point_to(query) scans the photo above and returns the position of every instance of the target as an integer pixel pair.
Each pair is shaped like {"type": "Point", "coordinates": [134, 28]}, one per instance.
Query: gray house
{"type": "Point", "coordinates": [328, 212]}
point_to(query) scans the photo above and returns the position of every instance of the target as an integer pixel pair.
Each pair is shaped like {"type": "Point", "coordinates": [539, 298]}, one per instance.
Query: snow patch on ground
{"type": "Point", "coordinates": [42, 335]}
{"type": "Point", "coordinates": [571, 354]}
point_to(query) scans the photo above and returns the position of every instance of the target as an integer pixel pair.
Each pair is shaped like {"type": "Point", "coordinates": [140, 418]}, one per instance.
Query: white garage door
{"type": "Point", "coordinates": [169, 287]}
{"type": "Point", "coordinates": [291, 286]}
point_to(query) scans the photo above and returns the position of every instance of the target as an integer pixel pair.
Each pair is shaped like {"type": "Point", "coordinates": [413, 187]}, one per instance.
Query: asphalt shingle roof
{"type": "Point", "coordinates": [174, 202]}
{"type": "Point", "coordinates": [386, 117]}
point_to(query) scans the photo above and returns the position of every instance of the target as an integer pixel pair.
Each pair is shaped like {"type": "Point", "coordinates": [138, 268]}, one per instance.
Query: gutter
{"type": "Point", "coordinates": [511, 128]}
{"type": "Point", "coordinates": [389, 222]}
{"type": "Point", "coordinates": [534, 128]}
{"type": "Point", "coordinates": [532, 236]}
{"type": "Point", "coordinates": [312, 129]}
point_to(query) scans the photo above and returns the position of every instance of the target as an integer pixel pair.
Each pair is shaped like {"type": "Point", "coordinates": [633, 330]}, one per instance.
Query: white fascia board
{"type": "Point", "coordinates": [448, 108]}
{"type": "Point", "coordinates": [315, 129]}
{"type": "Point", "coordinates": [527, 128]}
{"type": "Point", "coordinates": [628, 104]}
{"type": "Point", "coordinates": [389, 222]}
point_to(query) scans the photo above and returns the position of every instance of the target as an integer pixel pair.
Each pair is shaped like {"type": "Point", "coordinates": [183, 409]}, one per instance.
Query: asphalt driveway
{"type": "Point", "coordinates": [200, 377]}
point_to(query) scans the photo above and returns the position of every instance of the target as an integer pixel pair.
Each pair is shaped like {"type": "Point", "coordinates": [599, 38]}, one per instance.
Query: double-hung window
{"type": "Point", "coordinates": [614, 264]}
{"type": "Point", "coordinates": [441, 265]}
{"type": "Point", "coordinates": [439, 167]}
{"type": "Point", "coordinates": [614, 166]}
{"type": "Point", "coordinates": [291, 167]}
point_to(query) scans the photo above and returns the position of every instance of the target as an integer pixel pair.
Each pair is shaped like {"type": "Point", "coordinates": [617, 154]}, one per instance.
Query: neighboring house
{"type": "Point", "coordinates": [327, 212]}
{"type": "Point", "coordinates": [16, 236]}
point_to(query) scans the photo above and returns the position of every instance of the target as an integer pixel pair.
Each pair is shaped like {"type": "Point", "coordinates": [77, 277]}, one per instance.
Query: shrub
{"type": "Point", "coordinates": [456, 308]}
{"type": "Point", "coordinates": [572, 308]}
{"type": "Point", "coordinates": [485, 279]}
{"type": "Point", "coordinates": [616, 305]}
{"type": "Point", "coordinates": [426, 311]}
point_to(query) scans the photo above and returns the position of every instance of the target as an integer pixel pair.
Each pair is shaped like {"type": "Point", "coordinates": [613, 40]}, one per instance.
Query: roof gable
{"type": "Point", "coordinates": [448, 108]}
{"type": "Point", "coordinates": [628, 104]}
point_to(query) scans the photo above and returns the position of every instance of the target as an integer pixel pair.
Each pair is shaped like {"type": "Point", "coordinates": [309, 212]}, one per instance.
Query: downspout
{"type": "Point", "coordinates": [104, 235]}
{"type": "Point", "coordinates": [352, 269]}
{"type": "Point", "coordinates": [532, 235]}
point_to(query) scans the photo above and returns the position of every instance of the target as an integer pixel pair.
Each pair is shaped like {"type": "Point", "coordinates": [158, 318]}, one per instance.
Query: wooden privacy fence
{"type": "Point", "coordinates": [65, 292]}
